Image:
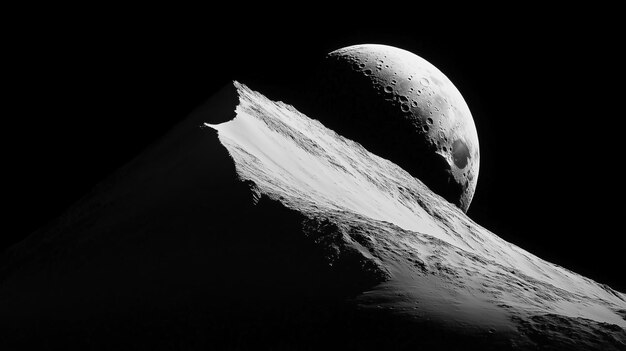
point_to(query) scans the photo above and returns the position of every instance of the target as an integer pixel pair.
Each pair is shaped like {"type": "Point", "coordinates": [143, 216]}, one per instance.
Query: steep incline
{"type": "Point", "coordinates": [269, 231]}
{"type": "Point", "coordinates": [427, 246]}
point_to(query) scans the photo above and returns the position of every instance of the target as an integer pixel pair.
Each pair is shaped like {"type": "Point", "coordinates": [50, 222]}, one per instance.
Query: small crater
{"type": "Point", "coordinates": [425, 128]}
{"type": "Point", "coordinates": [424, 81]}
{"type": "Point", "coordinates": [367, 72]}
{"type": "Point", "coordinates": [414, 103]}
{"type": "Point", "coordinates": [388, 89]}
{"type": "Point", "coordinates": [404, 99]}
{"type": "Point", "coordinates": [405, 108]}
{"type": "Point", "coordinates": [429, 120]}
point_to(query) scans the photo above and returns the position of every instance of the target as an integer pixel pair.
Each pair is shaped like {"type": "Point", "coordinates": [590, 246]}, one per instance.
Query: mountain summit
{"type": "Point", "coordinates": [251, 225]}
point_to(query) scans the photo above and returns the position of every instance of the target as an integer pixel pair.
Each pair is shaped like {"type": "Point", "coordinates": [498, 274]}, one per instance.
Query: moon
{"type": "Point", "coordinates": [401, 107]}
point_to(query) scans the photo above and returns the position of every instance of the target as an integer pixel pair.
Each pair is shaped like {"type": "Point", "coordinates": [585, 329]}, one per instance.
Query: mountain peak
{"type": "Point", "coordinates": [254, 225]}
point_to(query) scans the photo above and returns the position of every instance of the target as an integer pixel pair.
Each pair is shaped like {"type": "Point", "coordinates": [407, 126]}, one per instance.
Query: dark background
{"type": "Point", "coordinates": [92, 93]}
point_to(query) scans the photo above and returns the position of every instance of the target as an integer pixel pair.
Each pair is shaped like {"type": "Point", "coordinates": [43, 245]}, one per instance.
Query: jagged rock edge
{"type": "Point", "coordinates": [342, 252]}
{"type": "Point", "coordinates": [331, 230]}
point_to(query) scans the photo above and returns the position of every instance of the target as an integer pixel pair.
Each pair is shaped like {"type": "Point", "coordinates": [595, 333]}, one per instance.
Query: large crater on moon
{"type": "Point", "coordinates": [402, 108]}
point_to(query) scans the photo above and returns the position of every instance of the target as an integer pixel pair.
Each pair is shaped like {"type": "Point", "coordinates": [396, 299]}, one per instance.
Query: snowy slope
{"type": "Point", "coordinates": [270, 231]}
{"type": "Point", "coordinates": [417, 237]}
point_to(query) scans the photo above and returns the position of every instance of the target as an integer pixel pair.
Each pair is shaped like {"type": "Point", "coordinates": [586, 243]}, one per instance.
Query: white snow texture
{"type": "Point", "coordinates": [430, 250]}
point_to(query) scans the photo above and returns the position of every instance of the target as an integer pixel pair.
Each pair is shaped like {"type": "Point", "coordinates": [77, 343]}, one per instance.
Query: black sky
{"type": "Point", "coordinates": [92, 94]}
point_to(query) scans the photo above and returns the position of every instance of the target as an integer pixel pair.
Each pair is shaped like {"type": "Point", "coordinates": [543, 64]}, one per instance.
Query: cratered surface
{"type": "Point", "coordinates": [401, 107]}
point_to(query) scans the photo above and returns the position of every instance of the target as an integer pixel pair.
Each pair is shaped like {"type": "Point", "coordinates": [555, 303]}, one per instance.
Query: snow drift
{"type": "Point", "coordinates": [270, 230]}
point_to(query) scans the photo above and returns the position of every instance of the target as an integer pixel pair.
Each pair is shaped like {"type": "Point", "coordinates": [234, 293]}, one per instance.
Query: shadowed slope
{"type": "Point", "coordinates": [275, 232]}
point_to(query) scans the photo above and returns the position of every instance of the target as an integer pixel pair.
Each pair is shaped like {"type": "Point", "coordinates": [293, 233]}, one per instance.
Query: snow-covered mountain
{"type": "Point", "coordinates": [252, 225]}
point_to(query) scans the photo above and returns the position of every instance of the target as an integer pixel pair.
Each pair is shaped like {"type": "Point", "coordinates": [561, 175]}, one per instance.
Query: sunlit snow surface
{"type": "Point", "coordinates": [437, 259]}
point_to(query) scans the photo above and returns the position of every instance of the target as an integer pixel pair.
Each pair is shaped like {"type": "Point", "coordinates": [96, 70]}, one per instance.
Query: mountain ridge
{"type": "Point", "coordinates": [252, 224]}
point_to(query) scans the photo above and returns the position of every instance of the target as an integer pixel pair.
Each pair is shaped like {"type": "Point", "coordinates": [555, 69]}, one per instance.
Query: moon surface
{"type": "Point", "coordinates": [401, 107]}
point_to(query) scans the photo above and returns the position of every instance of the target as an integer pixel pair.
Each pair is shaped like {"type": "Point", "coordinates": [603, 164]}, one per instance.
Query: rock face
{"type": "Point", "coordinates": [270, 230]}
{"type": "Point", "coordinates": [401, 107]}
